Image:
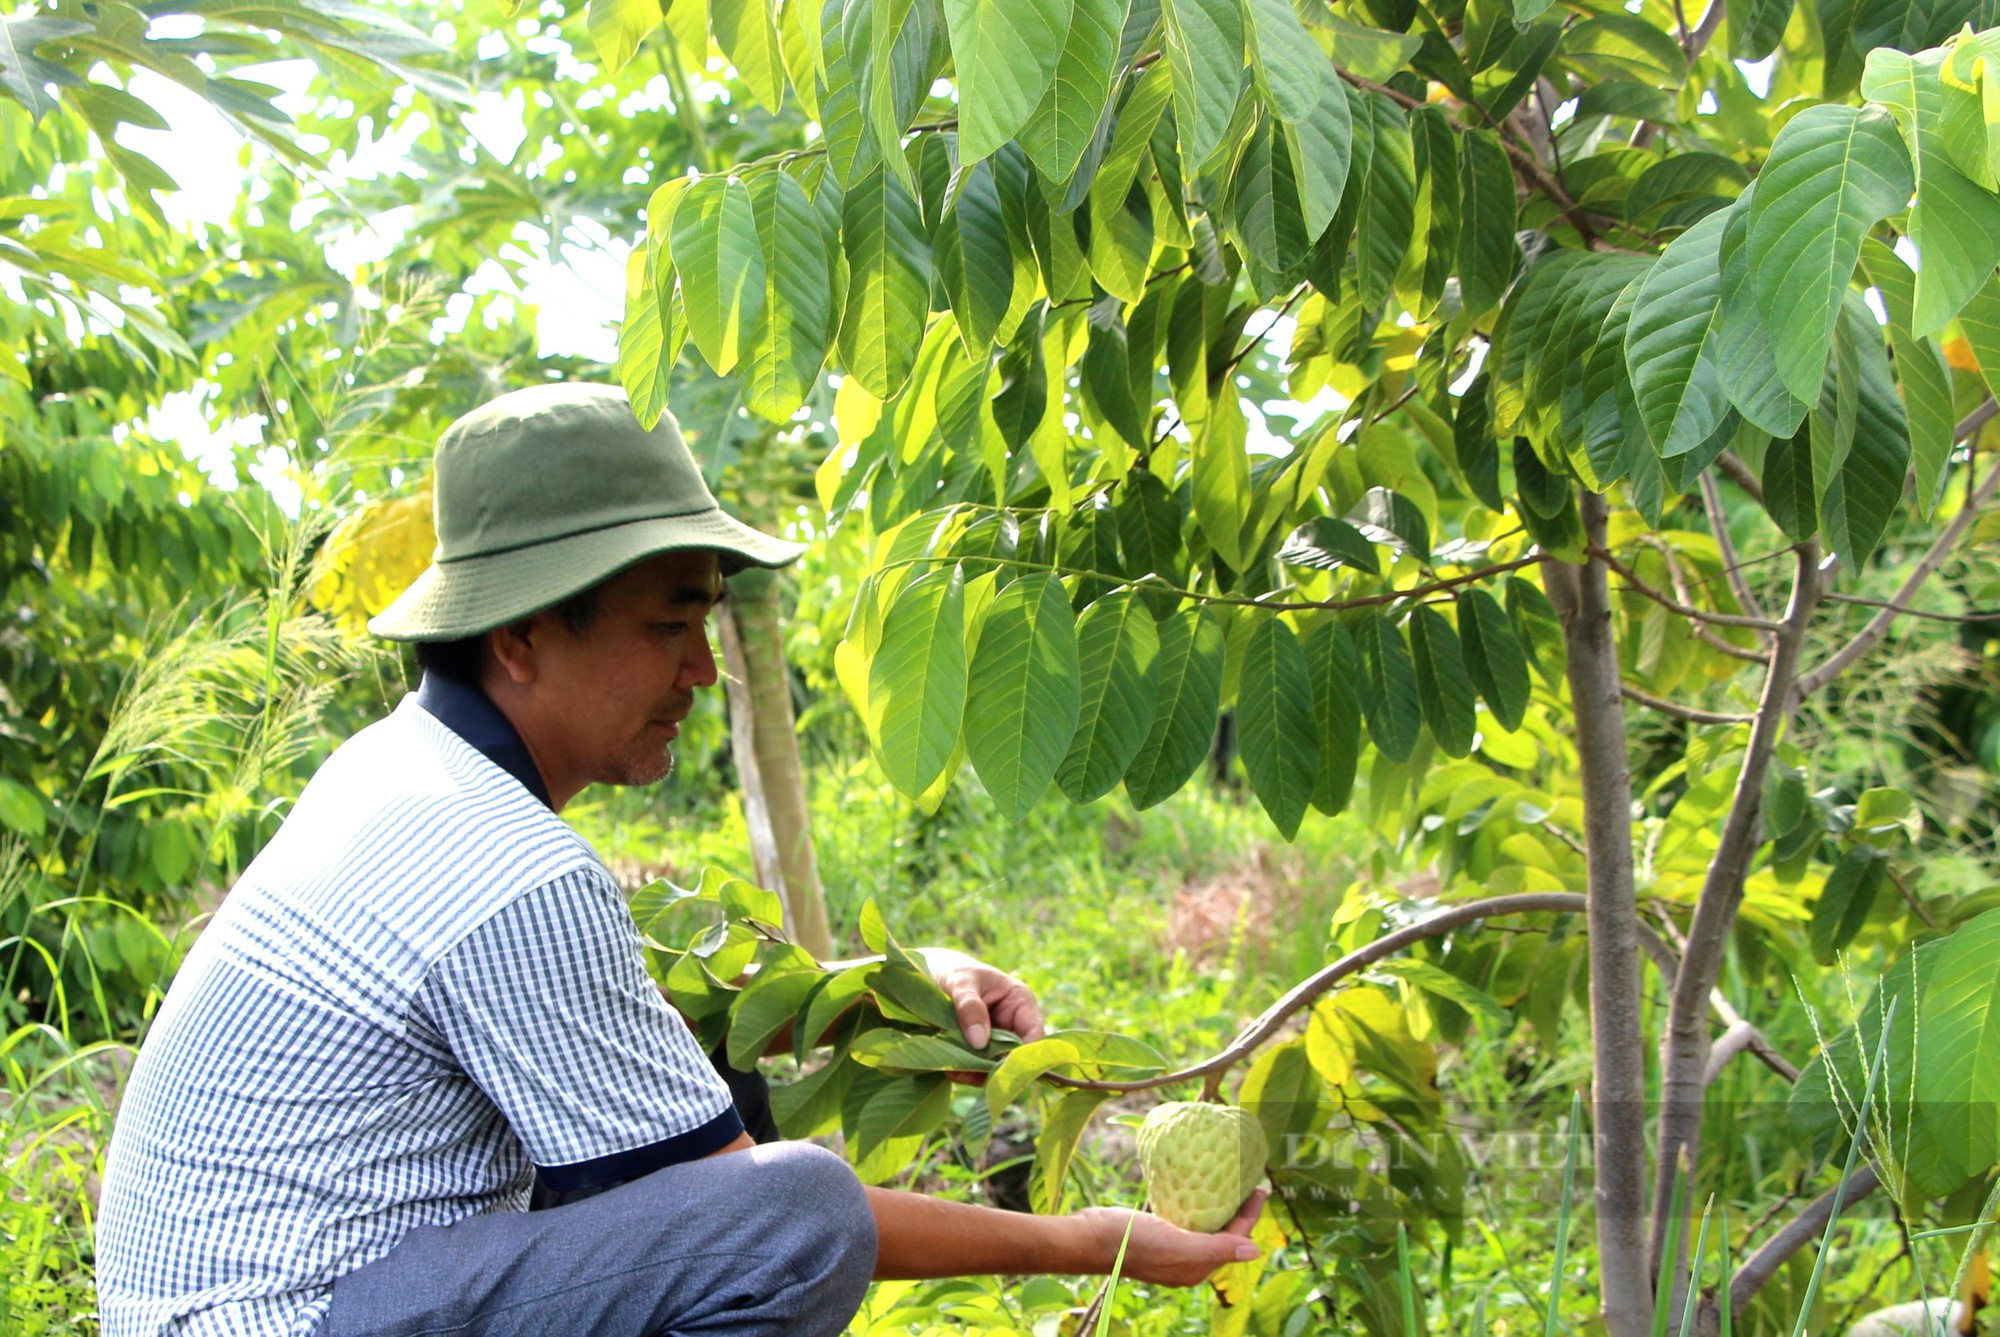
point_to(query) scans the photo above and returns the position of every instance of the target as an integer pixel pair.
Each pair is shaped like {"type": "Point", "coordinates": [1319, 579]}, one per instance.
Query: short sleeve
{"type": "Point", "coordinates": [548, 1008]}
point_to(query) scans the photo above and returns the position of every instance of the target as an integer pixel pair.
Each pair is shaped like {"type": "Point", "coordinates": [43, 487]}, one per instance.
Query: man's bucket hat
{"type": "Point", "coordinates": [547, 491]}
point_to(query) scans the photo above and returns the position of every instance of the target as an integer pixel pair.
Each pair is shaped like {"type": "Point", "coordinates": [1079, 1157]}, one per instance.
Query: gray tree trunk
{"type": "Point", "coordinates": [1582, 597]}
{"type": "Point", "coordinates": [763, 736]}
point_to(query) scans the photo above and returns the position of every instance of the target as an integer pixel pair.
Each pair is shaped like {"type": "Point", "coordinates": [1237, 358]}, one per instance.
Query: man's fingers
{"type": "Point", "coordinates": [1246, 1216]}
{"type": "Point", "coordinates": [1020, 1013]}
{"type": "Point", "coordinates": [973, 1018]}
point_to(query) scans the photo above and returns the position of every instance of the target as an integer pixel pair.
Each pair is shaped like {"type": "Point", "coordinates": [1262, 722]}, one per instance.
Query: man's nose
{"type": "Point", "coordinates": [698, 667]}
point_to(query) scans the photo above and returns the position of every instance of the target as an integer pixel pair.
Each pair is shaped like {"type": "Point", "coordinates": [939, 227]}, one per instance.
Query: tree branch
{"type": "Point", "coordinates": [1673, 605]}
{"type": "Point", "coordinates": [1800, 1231]}
{"type": "Point", "coordinates": [1582, 597]}
{"type": "Point", "coordinates": [1737, 472]}
{"type": "Point", "coordinates": [1680, 585]}
{"type": "Point", "coordinates": [1878, 626]}
{"type": "Point", "coordinates": [1732, 568]}
{"type": "Point", "coordinates": [1685, 1043]}
{"type": "Point", "coordinates": [1304, 993]}
{"type": "Point", "coordinates": [1678, 711]}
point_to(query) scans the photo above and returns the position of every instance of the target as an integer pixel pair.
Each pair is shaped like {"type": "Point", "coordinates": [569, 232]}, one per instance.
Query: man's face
{"type": "Point", "coordinates": [621, 688]}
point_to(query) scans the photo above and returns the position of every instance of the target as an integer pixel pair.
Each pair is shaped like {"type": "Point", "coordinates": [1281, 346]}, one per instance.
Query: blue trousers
{"type": "Point", "coordinates": [776, 1239]}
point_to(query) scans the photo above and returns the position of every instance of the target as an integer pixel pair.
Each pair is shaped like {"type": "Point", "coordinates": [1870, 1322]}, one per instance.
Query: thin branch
{"type": "Point", "coordinates": [1685, 1043]}
{"type": "Point", "coordinates": [1680, 585]}
{"type": "Point", "coordinates": [1980, 615]}
{"type": "Point", "coordinates": [1760, 1048]}
{"type": "Point", "coordinates": [1878, 626]}
{"type": "Point", "coordinates": [1678, 711]}
{"type": "Point", "coordinates": [1732, 567]}
{"type": "Point", "coordinates": [1306, 991]}
{"type": "Point", "coordinates": [1673, 605]}
{"type": "Point", "coordinates": [1800, 1231]}
{"type": "Point", "coordinates": [1737, 472]}
{"type": "Point", "coordinates": [1903, 888]}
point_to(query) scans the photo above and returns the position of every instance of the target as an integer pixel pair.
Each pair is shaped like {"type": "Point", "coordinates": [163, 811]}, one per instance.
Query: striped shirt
{"type": "Point", "coordinates": [425, 989]}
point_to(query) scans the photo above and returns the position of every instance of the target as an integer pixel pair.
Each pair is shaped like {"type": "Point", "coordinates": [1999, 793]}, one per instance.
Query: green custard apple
{"type": "Point", "coordinates": [1201, 1161]}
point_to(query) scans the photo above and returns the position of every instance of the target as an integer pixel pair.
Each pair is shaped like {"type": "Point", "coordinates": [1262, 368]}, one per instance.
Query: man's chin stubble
{"type": "Point", "coordinates": [646, 771]}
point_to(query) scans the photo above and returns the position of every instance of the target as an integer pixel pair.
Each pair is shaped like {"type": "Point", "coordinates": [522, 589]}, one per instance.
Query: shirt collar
{"type": "Point", "coordinates": [467, 712]}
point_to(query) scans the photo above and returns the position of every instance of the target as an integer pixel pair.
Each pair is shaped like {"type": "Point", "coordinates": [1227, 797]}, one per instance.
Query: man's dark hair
{"type": "Point", "coordinates": [462, 660]}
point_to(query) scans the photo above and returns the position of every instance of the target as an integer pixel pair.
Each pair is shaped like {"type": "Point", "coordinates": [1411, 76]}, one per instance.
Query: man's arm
{"type": "Point", "coordinates": [924, 1237]}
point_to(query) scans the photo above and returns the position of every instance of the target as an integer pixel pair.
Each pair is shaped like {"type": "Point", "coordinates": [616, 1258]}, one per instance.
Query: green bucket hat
{"type": "Point", "coordinates": [545, 492]}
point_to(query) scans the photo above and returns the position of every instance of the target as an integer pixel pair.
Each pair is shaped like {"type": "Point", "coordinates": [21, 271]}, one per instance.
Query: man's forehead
{"type": "Point", "coordinates": [690, 577]}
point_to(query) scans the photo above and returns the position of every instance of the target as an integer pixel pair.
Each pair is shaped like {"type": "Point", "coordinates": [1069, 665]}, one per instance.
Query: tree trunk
{"type": "Point", "coordinates": [763, 737]}
{"type": "Point", "coordinates": [1685, 1045]}
{"type": "Point", "coordinates": [1582, 596]}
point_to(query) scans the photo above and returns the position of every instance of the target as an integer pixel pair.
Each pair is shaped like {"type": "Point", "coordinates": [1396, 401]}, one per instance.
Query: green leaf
{"type": "Point", "coordinates": [1321, 145]}
{"type": "Point", "coordinates": [1860, 497]}
{"type": "Point", "coordinates": [906, 992]}
{"type": "Point", "coordinates": [617, 27]}
{"type": "Point", "coordinates": [721, 267]}
{"type": "Point", "coordinates": [1055, 1147]}
{"type": "Point", "coordinates": [888, 284]}
{"type": "Point", "coordinates": [1958, 1081]}
{"type": "Point", "coordinates": [1955, 223]}
{"type": "Point", "coordinates": [1190, 694]}
{"type": "Point", "coordinates": [1005, 53]}
{"type": "Point", "coordinates": [1790, 495]}
{"type": "Point", "coordinates": [1118, 649]}
{"type": "Point", "coordinates": [975, 262]}
{"type": "Point", "coordinates": [1149, 528]}
{"type": "Point", "coordinates": [1980, 322]}
{"type": "Point", "coordinates": [895, 1114]}
{"type": "Point", "coordinates": [21, 809]}
{"type": "Point", "coordinates": [1026, 680]}
{"type": "Point", "coordinates": [810, 1107]}
{"type": "Point", "coordinates": [1066, 118]}
{"type": "Point", "coordinates": [1921, 372]}
{"type": "Point", "coordinates": [766, 1006]}
{"type": "Point", "coordinates": [1333, 670]}
{"type": "Point", "coordinates": [1369, 52]}
{"type": "Point", "coordinates": [1684, 176]}
{"type": "Point", "coordinates": [641, 369]}
{"type": "Point", "coordinates": [1387, 218]}
{"type": "Point", "coordinates": [1834, 172]}
{"type": "Point", "coordinates": [1436, 980]}
{"type": "Point", "coordinates": [1444, 689]}
{"type": "Point", "coordinates": [1845, 900]}
{"type": "Point", "coordinates": [1382, 516]}
{"type": "Point", "coordinates": [747, 32]}
{"type": "Point", "coordinates": [1388, 686]}
{"type": "Point", "coordinates": [1472, 441]}
{"type": "Point", "coordinates": [841, 991]}
{"type": "Point", "coordinates": [1222, 477]}
{"type": "Point", "coordinates": [889, 1050]}
{"type": "Point", "coordinates": [1121, 245]}
{"type": "Point", "coordinates": [916, 681]}
{"type": "Point", "coordinates": [1274, 717]}
{"type": "Point", "coordinates": [1487, 252]}
{"type": "Point", "coordinates": [1744, 360]}
{"type": "Point", "coordinates": [1494, 658]}
{"type": "Point", "coordinates": [1291, 69]}
{"type": "Point", "coordinates": [783, 358]}
{"type": "Point", "coordinates": [1671, 342]}
{"type": "Point", "coordinates": [1628, 44]}
{"type": "Point", "coordinates": [1023, 397]}
{"type": "Point", "coordinates": [1264, 203]}
{"type": "Point", "coordinates": [1105, 377]}
{"type": "Point", "coordinates": [1204, 40]}
{"type": "Point", "coordinates": [1756, 27]}
{"type": "Point", "coordinates": [1327, 544]}
{"type": "Point", "coordinates": [1535, 621]}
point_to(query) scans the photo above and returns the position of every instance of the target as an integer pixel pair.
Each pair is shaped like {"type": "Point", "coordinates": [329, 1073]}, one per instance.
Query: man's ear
{"type": "Point", "coordinates": [513, 647]}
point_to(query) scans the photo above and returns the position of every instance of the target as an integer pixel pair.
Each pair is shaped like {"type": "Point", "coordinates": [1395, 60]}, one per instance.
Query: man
{"type": "Point", "coordinates": [425, 1003]}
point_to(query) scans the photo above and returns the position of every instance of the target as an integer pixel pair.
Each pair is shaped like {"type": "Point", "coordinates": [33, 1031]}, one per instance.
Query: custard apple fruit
{"type": "Point", "coordinates": [1201, 1161]}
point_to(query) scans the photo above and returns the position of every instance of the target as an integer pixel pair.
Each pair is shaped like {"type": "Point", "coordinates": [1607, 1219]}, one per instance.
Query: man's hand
{"type": "Point", "coordinates": [1165, 1254]}
{"type": "Point", "coordinates": [984, 997]}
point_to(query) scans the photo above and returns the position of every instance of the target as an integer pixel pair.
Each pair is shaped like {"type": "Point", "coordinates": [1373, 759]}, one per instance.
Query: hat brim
{"type": "Point", "coordinates": [476, 594]}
